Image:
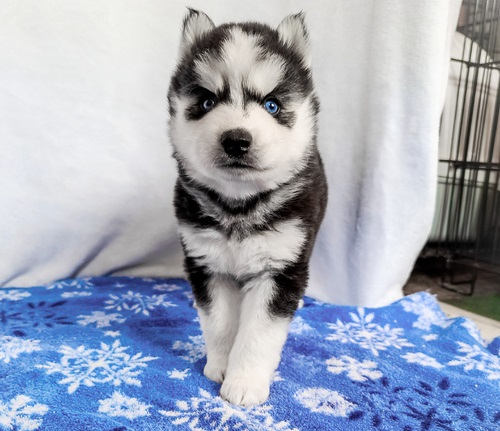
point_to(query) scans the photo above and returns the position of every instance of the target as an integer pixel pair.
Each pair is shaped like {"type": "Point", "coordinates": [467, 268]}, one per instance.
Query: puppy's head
{"type": "Point", "coordinates": [242, 106]}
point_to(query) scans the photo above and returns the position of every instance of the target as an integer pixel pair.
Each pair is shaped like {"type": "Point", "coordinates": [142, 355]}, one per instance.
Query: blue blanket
{"type": "Point", "coordinates": [127, 354]}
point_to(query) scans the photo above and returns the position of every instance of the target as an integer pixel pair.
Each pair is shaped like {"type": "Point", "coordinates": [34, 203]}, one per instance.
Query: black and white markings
{"type": "Point", "coordinates": [248, 217]}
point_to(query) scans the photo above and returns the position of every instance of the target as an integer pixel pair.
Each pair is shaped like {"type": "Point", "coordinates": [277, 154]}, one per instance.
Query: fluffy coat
{"type": "Point", "coordinates": [251, 191]}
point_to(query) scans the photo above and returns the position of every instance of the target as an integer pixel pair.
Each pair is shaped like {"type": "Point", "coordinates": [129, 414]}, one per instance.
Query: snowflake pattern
{"type": "Point", "coordinates": [13, 295]}
{"type": "Point", "coordinates": [333, 373]}
{"type": "Point", "coordinates": [358, 371]}
{"type": "Point", "coordinates": [473, 331]}
{"type": "Point", "coordinates": [166, 287]}
{"type": "Point", "coordinates": [366, 334]}
{"type": "Point", "coordinates": [21, 414]}
{"type": "Point", "coordinates": [325, 401]}
{"type": "Point", "coordinates": [211, 413]}
{"type": "Point", "coordinates": [475, 358]}
{"type": "Point", "coordinates": [176, 374]}
{"type": "Point", "coordinates": [101, 319]}
{"type": "Point", "coordinates": [299, 326]}
{"type": "Point", "coordinates": [190, 296]}
{"type": "Point", "coordinates": [22, 317]}
{"type": "Point", "coordinates": [136, 302]}
{"type": "Point", "coordinates": [113, 334]}
{"type": "Point", "coordinates": [121, 405]}
{"type": "Point", "coordinates": [77, 283]}
{"type": "Point", "coordinates": [75, 294]}
{"type": "Point", "coordinates": [420, 405]}
{"type": "Point", "coordinates": [12, 347]}
{"type": "Point", "coordinates": [193, 350]}
{"type": "Point", "coordinates": [427, 310]}
{"type": "Point", "coordinates": [422, 359]}
{"type": "Point", "coordinates": [109, 364]}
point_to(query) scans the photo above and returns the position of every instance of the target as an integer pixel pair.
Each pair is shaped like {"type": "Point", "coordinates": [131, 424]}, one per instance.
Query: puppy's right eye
{"type": "Point", "coordinates": [208, 104]}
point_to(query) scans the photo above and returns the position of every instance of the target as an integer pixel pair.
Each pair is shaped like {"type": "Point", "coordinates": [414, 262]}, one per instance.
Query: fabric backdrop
{"type": "Point", "coordinates": [86, 177]}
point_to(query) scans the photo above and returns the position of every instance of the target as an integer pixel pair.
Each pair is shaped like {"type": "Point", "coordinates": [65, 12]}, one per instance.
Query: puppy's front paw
{"type": "Point", "coordinates": [245, 391]}
{"type": "Point", "coordinates": [214, 372]}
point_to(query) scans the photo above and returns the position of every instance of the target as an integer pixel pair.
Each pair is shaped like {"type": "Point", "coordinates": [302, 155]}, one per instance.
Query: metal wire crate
{"type": "Point", "coordinates": [466, 229]}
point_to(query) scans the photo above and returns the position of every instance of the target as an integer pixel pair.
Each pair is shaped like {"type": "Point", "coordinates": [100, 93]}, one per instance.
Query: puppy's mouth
{"type": "Point", "coordinates": [239, 165]}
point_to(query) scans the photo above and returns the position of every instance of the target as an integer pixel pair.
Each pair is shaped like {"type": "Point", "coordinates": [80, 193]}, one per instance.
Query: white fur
{"type": "Point", "coordinates": [252, 218]}
{"type": "Point", "coordinates": [220, 325]}
{"type": "Point", "coordinates": [293, 34]}
{"type": "Point", "coordinates": [196, 25]}
{"type": "Point", "coordinates": [243, 341]}
{"type": "Point", "coordinates": [241, 63]}
{"type": "Point", "coordinates": [256, 351]}
{"type": "Point", "coordinates": [246, 257]}
{"type": "Point", "coordinates": [279, 150]}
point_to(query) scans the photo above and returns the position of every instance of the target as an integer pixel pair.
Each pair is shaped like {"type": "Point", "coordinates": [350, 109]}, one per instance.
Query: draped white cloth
{"type": "Point", "coordinates": [86, 177]}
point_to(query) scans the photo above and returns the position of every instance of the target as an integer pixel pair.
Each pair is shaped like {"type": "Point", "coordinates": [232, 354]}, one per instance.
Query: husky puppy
{"type": "Point", "coordinates": [251, 190]}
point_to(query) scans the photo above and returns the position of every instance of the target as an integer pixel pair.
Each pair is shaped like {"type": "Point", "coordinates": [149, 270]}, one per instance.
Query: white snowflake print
{"type": "Point", "coordinates": [211, 413]}
{"type": "Point", "coordinates": [78, 283]}
{"type": "Point", "coordinates": [321, 400]}
{"type": "Point", "coordinates": [190, 297]}
{"type": "Point", "coordinates": [121, 405]}
{"type": "Point", "coordinates": [13, 295]}
{"type": "Point", "coordinates": [194, 350]}
{"type": "Point", "coordinates": [176, 374]}
{"type": "Point", "coordinates": [109, 364]}
{"type": "Point", "coordinates": [165, 287]}
{"type": "Point", "coordinates": [299, 326]}
{"type": "Point", "coordinates": [366, 334]}
{"type": "Point", "coordinates": [113, 334]}
{"type": "Point", "coordinates": [473, 331]}
{"type": "Point", "coordinates": [475, 358]}
{"type": "Point", "coordinates": [12, 347]}
{"type": "Point", "coordinates": [422, 359]}
{"type": "Point", "coordinates": [277, 377]}
{"type": "Point", "coordinates": [101, 319]}
{"type": "Point", "coordinates": [75, 294]}
{"type": "Point", "coordinates": [356, 371]}
{"type": "Point", "coordinates": [137, 302]}
{"type": "Point", "coordinates": [427, 310]}
{"type": "Point", "coordinates": [21, 414]}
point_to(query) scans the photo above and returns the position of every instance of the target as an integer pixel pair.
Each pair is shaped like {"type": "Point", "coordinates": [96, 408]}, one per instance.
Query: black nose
{"type": "Point", "coordinates": [236, 142]}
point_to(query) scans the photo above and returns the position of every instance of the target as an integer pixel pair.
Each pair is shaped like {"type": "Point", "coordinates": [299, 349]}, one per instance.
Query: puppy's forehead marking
{"type": "Point", "coordinates": [243, 64]}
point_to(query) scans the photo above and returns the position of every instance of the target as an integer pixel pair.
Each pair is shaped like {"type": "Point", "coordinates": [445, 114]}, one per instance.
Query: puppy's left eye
{"type": "Point", "coordinates": [208, 104]}
{"type": "Point", "coordinates": [272, 106]}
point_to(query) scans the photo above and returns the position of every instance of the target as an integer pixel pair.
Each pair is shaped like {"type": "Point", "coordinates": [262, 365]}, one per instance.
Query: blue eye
{"type": "Point", "coordinates": [208, 104]}
{"type": "Point", "coordinates": [272, 106]}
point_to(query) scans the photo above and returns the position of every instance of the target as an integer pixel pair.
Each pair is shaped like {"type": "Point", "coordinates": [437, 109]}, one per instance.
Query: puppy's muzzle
{"type": "Point", "coordinates": [236, 142]}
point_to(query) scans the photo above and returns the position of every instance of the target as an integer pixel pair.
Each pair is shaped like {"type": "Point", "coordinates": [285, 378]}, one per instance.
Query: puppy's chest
{"type": "Point", "coordinates": [244, 255]}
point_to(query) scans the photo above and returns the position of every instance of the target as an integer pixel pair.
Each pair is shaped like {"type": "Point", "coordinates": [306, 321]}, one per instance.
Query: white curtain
{"type": "Point", "coordinates": [86, 177]}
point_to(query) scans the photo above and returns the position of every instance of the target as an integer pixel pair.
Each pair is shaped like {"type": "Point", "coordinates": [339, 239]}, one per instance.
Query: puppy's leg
{"type": "Point", "coordinates": [257, 348]}
{"type": "Point", "coordinates": [219, 324]}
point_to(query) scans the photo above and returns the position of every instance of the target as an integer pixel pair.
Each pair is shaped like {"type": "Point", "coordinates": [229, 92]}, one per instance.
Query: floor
{"type": "Point", "coordinates": [426, 276]}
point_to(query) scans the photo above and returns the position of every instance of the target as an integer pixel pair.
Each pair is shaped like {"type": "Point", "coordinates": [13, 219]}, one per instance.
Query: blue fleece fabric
{"type": "Point", "coordinates": [117, 353]}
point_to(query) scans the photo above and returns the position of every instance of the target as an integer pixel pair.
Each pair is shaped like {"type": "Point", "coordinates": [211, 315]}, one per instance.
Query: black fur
{"type": "Point", "coordinates": [297, 80]}
{"type": "Point", "coordinates": [308, 205]}
{"type": "Point", "coordinates": [199, 276]}
{"type": "Point", "coordinates": [202, 207]}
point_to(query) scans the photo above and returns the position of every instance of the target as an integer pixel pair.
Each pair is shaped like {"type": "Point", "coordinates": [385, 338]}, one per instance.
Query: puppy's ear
{"type": "Point", "coordinates": [196, 24]}
{"type": "Point", "coordinates": [293, 33]}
